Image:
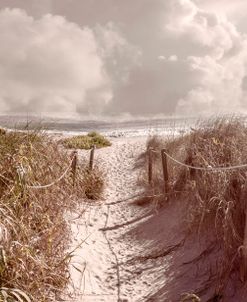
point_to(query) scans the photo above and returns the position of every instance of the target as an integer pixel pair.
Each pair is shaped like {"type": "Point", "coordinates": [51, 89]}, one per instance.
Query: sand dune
{"type": "Point", "coordinates": [135, 253]}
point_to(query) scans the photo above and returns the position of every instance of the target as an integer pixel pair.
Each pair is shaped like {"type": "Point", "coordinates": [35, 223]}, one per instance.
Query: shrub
{"type": "Point", "coordinates": [92, 182]}
{"type": "Point", "coordinates": [86, 141]}
{"type": "Point", "coordinates": [34, 235]}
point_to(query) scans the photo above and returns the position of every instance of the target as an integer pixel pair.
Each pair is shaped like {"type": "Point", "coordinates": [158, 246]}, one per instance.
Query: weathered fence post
{"type": "Point", "coordinates": [165, 169]}
{"type": "Point", "coordinates": [150, 166]}
{"type": "Point", "coordinates": [74, 166]}
{"type": "Point", "coordinates": [91, 158]}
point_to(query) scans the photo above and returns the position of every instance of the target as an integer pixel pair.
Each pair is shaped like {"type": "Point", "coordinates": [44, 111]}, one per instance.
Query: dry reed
{"type": "Point", "coordinates": [34, 235]}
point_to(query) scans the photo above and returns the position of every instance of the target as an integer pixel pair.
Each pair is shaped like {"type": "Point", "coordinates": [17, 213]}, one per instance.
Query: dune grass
{"type": "Point", "coordinates": [216, 200]}
{"type": "Point", "coordinates": [86, 141]}
{"type": "Point", "coordinates": [2, 131]}
{"type": "Point", "coordinates": [34, 235]}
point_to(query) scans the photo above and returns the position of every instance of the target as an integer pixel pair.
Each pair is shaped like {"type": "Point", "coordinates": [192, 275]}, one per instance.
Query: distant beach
{"type": "Point", "coordinates": [122, 128]}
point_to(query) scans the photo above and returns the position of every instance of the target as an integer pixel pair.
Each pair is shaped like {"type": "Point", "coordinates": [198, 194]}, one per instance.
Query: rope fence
{"type": "Point", "coordinates": [71, 168]}
{"type": "Point", "coordinates": [165, 156]}
{"type": "Point", "coordinates": [55, 181]}
{"type": "Point", "coordinates": [208, 168]}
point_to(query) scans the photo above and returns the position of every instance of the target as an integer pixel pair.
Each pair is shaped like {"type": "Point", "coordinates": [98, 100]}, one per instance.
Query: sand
{"type": "Point", "coordinates": [98, 270]}
{"type": "Point", "coordinates": [129, 252]}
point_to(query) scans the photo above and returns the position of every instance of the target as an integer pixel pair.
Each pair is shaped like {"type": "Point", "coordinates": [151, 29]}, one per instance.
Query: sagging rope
{"type": "Point", "coordinates": [209, 168]}
{"type": "Point", "coordinates": [21, 174]}
{"type": "Point", "coordinates": [55, 181]}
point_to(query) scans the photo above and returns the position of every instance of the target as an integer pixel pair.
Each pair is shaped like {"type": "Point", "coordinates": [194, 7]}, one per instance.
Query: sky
{"type": "Point", "coordinates": [128, 58]}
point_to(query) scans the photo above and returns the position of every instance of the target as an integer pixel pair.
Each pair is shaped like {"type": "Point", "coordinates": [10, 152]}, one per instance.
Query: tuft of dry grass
{"type": "Point", "coordinates": [86, 141]}
{"type": "Point", "coordinates": [216, 200]}
{"type": "Point", "coordinates": [93, 183]}
{"type": "Point", "coordinates": [2, 131]}
{"type": "Point", "coordinates": [34, 235]}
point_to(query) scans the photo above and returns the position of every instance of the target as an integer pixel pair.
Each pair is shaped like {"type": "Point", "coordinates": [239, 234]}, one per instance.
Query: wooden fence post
{"type": "Point", "coordinates": [150, 166]}
{"type": "Point", "coordinates": [74, 166]}
{"type": "Point", "coordinates": [92, 158]}
{"type": "Point", "coordinates": [165, 169]}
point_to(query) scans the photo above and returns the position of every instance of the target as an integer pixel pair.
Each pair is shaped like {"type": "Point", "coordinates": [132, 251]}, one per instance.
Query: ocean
{"type": "Point", "coordinates": [114, 128]}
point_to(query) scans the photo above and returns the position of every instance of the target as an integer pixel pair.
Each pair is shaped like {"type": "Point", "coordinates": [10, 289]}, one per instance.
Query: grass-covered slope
{"type": "Point", "coordinates": [216, 201]}
{"type": "Point", "coordinates": [34, 235]}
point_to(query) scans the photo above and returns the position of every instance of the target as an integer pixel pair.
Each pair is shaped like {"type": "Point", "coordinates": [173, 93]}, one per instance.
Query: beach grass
{"type": "Point", "coordinates": [86, 141]}
{"type": "Point", "coordinates": [34, 234]}
{"type": "Point", "coordinates": [216, 200]}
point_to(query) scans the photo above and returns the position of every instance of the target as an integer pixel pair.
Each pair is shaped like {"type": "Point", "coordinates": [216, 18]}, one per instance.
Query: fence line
{"type": "Point", "coordinates": [21, 173]}
{"type": "Point", "coordinates": [209, 168]}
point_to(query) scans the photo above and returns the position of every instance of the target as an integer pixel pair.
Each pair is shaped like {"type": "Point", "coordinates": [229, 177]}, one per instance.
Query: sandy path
{"type": "Point", "coordinates": [131, 253]}
{"type": "Point", "coordinates": [98, 269]}
{"type": "Point", "coordinates": [128, 259]}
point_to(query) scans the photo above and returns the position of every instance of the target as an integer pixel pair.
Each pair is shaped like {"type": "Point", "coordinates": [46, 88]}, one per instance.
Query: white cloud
{"type": "Point", "coordinates": [119, 55]}
{"type": "Point", "coordinates": [206, 31]}
{"type": "Point", "coordinates": [220, 71]}
{"type": "Point", "coordinates": [52, 65]}
{"type": "Point", "coordinates": [210, 55]}
{"type": "Point", "coordinates": [182, 56]}
{"type": "Point", "coordinates": [220, 87]}
{"type": "Point", "coordinates": [230, 8]}
{"type": "Point", "coordinates": [162, 58]}
{"type": "Point", "coordinates": [173, 58]}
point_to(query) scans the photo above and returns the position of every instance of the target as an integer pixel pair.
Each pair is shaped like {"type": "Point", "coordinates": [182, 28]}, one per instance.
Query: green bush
{"type": "Point", "coordinates": [86, 141]}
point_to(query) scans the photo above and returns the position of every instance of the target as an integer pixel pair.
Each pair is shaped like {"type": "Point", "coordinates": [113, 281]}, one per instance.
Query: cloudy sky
{"type": "Point", "coordinates": [123, 57]}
